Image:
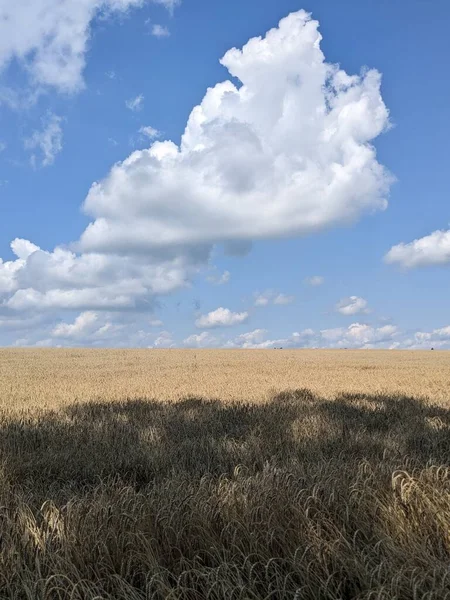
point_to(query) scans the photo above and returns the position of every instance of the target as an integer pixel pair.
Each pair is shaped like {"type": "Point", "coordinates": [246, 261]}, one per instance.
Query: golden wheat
{"type": "Point", "coordinates": [110, 488]}
{"type": "Point", "coordinates": [51, 378]}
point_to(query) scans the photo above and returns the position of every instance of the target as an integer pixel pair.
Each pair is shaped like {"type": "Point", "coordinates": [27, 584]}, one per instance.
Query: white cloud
{"type": "Point", "coordinates": [352, 306]}
{"type": "Point", "coordinates": [262, 299]}
{"type": "Point", "coordinates": [2, 146]}
{"type": "Point", "coordinates": [48, 140]}
{"type": "Point", "coordinates": [47, 343]}
{"type": "Point", "coordinates": [83, 324]}
{"type": "Point", "coordinates": [283, 299]}
{"type": "Point", "coordinates": [105, 298]}
{"type": "Point", "coordinates": [201, 340]}
{"type": "Point", "coordinates": [23, 248]}
{"type": "Point", "coordinates": [287, 153]}
{"type": "Point", "coordinates": [160, 31]}
{"type": "Point", "coordinates": [39, 280]}
{"type": "Point", "coordinates": [433, 249]}
{"type": "Point", "coordinates": [364, 334]}
{"type": "Point", "coordinates": [280, 343]}
{"type": "Point", "coordinates": [224, 278]}
{"type": "Point", "coordinates": [424, 340]}
{"type": "Point", "coordinates": [332, 335]}
{"type": "Point", "coordinates": [164, 340]}
{"type": "Point", "coordinates": [315, 280]}
{"type": "Point", "coordinates": [272, 297]}
{"type": "Point", "coordinates": [252, 337]}
{"type": "Point", "coordinates": [135, 104]}
{"type": "Point", "coordinates": [49, 38]}
{"type": "Point", "coordinates": [89, 328]}
{"type": "Point", "coordinates": [133, 329]}
{"type": "Point", "coordinates": [156, 323]}
{"type": "Point", "coordinates": [251, 340]}
{"type": "Point", "coordinates": [149, 132]}
{"type": "Point", "coordinates": [443, 334]}
{"type": "Point", "coordinates": [358, 335]}
{"type": "Point", "coordinates": [221, 317]}
{"type": "Point", "coordinates": [9, 270]}
{"type": "Point", "coordinates": [219, 279]}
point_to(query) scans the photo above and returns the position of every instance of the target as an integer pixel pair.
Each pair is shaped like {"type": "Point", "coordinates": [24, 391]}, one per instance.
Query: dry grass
{"type": "Point", "coordinates": [305, 496]}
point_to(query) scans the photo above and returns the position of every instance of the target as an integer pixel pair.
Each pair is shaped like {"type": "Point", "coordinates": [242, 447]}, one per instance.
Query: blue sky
{"type": "Point", "coordinates": [302, 203]}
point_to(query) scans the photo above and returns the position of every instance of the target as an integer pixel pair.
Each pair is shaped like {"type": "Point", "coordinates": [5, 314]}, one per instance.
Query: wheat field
{"type": "Point", "coordinates": [50, 378]}
{"type": "Point", "coordinates": [154, 474]}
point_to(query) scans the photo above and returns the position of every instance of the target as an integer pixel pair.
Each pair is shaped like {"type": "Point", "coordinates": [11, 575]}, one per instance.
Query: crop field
{"type": "Point", "coordinates": [182, 474]}
{"type": "Point", "coordinates": [49, 378]}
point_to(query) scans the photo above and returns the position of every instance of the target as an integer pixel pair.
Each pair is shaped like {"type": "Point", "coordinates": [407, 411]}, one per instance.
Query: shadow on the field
{"type": "Point", "coordinates": [145, 441]}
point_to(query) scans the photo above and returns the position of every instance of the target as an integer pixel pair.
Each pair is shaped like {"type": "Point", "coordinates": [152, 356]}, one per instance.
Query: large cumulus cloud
{"type": "Point", "coordinates": [286, 151]}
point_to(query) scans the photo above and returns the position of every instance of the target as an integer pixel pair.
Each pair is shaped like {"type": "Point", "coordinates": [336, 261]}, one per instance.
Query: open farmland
{"type": "Point", "coordinates": [49, 378]}
{"type": "Point", "coordinates": [135, 474]}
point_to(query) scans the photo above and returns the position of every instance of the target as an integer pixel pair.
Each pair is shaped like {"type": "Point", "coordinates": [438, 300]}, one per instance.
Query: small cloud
{"type": "Point", "coordinates": [262, 299]}
{"type": "Point", "coordinates": [150, 132]}
{"type": "Point", "coordinates": [272, 297]}
{"type": "Point", "coordinates": [2, 146]}
{"type": "Point", "coordinates": [47, 343]}
{"type": "Point", "coordinates": [164, 340]}
{"type": "Point", "coordinates": [202, 340]}
{"type": "Point", "coordinates": [111, 74]}
{"type": "Point", "coordinates": [283, 299]}
{"type": "Point", "coordinates": [156, 323]}
{"type": "Point", "coordinates": [352, 306]}
{"type": "Point", "coordinates": [160, 31]}
{"type": "Point", "coordinates": [256, 340]}
{"type": "Point", "coordinates": [251, 338]}
{"type": "Point", "coordinates": [135, 104]}
{"type": "Point", "coordinates": [219, 280]}
{"type": "Point", "coordinates": [48, 140]}
{"type": "Point", "coordinates": [225, 278]}
{"type": "Point", "coordinates": [82, 325]}
{"type": "Point", "coordinates": [315, 280]}
{"type": "Point", "coordinates": [221, 317]}
{"type": "Point", "coordinates": [433, 249]}
{"type": "Point", "coordinates": [113, 142]}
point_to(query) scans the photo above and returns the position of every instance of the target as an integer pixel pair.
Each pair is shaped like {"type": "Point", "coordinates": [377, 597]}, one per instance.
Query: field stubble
{"type": "Point", "coordinates": [114, 487]}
